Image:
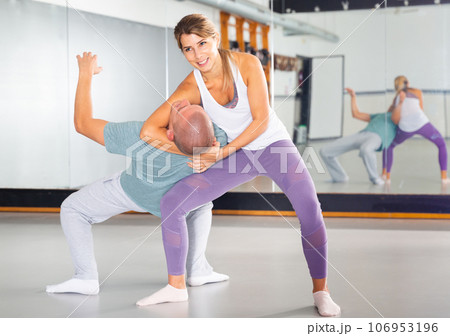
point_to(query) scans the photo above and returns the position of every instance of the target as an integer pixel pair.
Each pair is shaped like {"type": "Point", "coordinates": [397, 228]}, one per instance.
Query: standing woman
{"type": "Point", "coordinates": [407, 112]}
{"type": "Point", "coordinates": [232, 88]}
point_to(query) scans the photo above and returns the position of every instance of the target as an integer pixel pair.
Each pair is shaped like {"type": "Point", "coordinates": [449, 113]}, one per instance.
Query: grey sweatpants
{"type": "Point", "coordinates": [366, 142]}
{"type": "Point", "coordinates": [105, 198]}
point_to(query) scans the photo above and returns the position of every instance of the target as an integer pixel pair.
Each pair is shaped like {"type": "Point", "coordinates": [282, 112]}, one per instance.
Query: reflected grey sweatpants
{"type": "Point", "coordinates": [105, 198]}
{"type": "Point", "coordinates": [366, 142]}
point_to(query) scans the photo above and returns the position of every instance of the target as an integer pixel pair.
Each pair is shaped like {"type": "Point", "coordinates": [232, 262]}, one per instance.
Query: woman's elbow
{"type": "Point", "coordinates": [145, 133]}
{"type": "Point", "coordinates": [142, 135]}
{"type": "Point", "coordinates": [263, 125]}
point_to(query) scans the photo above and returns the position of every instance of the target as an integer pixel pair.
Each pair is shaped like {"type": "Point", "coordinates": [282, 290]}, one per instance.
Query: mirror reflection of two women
{"type": "Point", "coordinates": [404, 119]}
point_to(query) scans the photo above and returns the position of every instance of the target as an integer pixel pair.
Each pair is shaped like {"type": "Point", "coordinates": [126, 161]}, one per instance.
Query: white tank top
{"type": "Point", "coordinates": [412, 117]}
{"type": "Point", "coordinates": [235, 120]}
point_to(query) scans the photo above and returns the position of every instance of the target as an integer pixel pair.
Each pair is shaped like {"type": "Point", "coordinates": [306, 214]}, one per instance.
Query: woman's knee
{"type": "Point", "coordinates": [440, 142]}
{"type": "Point", "coordinates": [175, 200]}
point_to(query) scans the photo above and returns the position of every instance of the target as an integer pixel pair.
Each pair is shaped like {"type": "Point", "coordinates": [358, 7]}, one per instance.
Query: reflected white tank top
{"type": "Point", "coordinates": [412, 116]}
{"type": "Point", "coordinates": [235, 120]}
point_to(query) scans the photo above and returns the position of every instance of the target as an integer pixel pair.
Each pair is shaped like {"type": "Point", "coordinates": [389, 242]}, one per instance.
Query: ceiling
{"type": "Point", "coordinates": [288, 6]}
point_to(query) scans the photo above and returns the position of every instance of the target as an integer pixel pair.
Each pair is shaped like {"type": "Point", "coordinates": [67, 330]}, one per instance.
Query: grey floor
{"type": "Point", "coordinates": [415, 171]}
{"type": "Point", "coordinates": [378, 267]}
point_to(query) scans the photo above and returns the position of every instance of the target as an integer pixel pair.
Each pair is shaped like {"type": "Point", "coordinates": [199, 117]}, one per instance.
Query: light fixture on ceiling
{"type": "Point", "coordinates": [250, 11]}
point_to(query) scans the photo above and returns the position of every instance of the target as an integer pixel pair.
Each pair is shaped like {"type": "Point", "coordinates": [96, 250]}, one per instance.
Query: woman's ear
{"type": "Point", "coordinates": [217, 37]}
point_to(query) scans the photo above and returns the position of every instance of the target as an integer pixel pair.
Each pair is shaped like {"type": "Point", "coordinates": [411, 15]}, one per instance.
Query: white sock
{"type": "Point", "coordinates": [445, 181]}
{"type": "Point", "coordinates": [167, 294]}
{"type": "Point", "coordinates": [325, 305]}
{"type": "Point", "coordinates": [80, 286]}
{"type": "Point", "coordinates": [378, 181]}
{"type": "Point", "coordinates": [201, 280]}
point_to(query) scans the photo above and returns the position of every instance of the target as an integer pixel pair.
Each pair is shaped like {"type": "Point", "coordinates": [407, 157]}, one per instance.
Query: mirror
{"type": "Point", "coordinates": [133, 81]}
{"type": "Point", "coordinates": [417, 47]}
{"type": "Point", "coordinates": [142, 66]}
{"type": "Point", "coordinates": [34, 95]}
{"type": "Point", "coordinates": [376, 46]}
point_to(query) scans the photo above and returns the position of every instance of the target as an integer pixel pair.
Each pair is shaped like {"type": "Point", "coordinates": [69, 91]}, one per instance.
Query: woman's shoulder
{"type": "Point", "coordinates": [188, 83]}
{"type": "Point", "coordinates": [188, 89]}
{"type": "Point", "coordinates": [415, 92]}
{"type": "Point", "coordinates": [244, 59]}
{"type": "Point", "coordinates": [246, 63]}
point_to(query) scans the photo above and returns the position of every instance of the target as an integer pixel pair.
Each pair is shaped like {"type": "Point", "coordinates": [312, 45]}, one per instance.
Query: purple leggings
{"type": "Point", "coordinates": [283, 164]}
{"type": "Point", "coordinates": [429, 132]}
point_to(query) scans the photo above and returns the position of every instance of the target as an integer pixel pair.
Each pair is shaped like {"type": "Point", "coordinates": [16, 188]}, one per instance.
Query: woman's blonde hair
{"type": "Point", "coordinates": [200, 25]}
{"type": "Point", "coordinates": [400, 83]}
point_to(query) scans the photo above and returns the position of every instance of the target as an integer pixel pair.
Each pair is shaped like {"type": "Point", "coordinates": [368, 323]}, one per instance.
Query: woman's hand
{"type": "Point", "coordinates": [201, 162]}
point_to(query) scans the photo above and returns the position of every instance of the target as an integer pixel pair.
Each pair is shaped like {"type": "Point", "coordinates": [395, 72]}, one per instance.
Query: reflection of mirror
{"type": "Point", "coordinates": [377, 46]}
{"type": "Point", "coordinates": [361, 48]}
{"type": "Point", "coordinates": [423, 60]}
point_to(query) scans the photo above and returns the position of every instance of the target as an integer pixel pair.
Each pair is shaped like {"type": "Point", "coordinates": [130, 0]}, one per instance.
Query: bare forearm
{"type": "Point", "coordinates": [83, 102]}
{"type": "Point", "coordinates": [254, 130]}
{"type": "Point", "coordinates": [354, 106]}
{"type": "Point", "coordinates": [395, 117]}
{"type": "Point", "coordinates": [356, 113]}
{"type": "Point", "coordinates": [84, 122]}
{"type": "Point", "coordinates": [157, 137]}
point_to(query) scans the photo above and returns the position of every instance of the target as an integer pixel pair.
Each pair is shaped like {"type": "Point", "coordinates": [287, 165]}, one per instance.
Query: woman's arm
{"type": "Point", "coordinates": [392, 107]}
{"type": "Point", "coordinates": [154, 130]}
{"type": "Point", "coordinates": [355, 110]}
{"type": "Point", "coordinates": [396, 112]}
{"type": "Point", "coordinates": [419, 95]}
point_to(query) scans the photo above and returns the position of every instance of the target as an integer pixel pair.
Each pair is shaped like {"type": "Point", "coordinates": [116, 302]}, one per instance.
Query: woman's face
{"type": "Point", "coordinates": [200, 52]}
{"type": "Point", "coordinates": [401, 82]}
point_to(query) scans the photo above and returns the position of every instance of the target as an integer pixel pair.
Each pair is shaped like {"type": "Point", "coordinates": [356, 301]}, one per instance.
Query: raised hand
{"type": "Point", "coordinates": [87, 64]}
{"type": "Point", "coordinates": [350, 91]}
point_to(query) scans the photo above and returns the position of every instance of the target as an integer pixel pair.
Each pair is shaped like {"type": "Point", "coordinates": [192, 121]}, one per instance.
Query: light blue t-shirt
{"type": "Point", "coordinates": [152, 172]}
{"type": "Point", "coordinates": [382, 124]}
